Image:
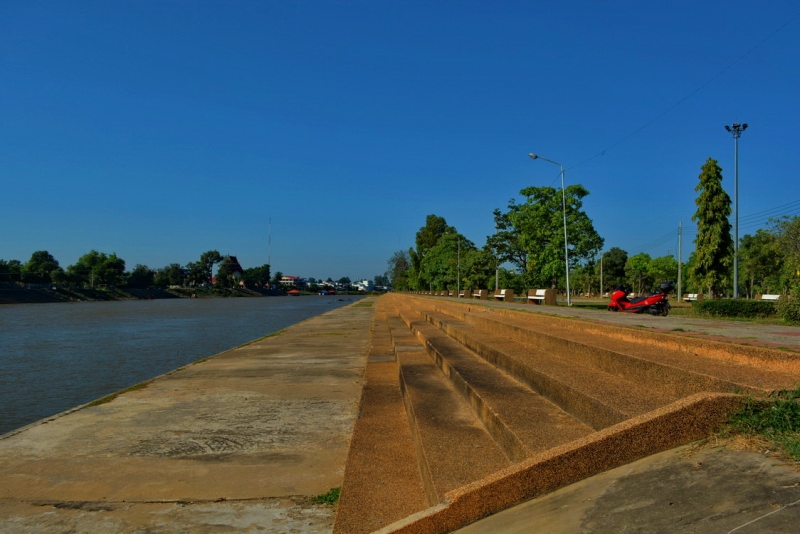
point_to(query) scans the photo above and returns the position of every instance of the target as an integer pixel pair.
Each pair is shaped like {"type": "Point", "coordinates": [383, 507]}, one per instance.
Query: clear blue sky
{"type": "Point", "coordinates": [160, 130]}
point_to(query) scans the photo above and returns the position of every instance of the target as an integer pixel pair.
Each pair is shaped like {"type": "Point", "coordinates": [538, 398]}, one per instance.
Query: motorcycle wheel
{"type": "Point", "coordinates": [613, 309]}
{"type": "Point", "coordinates": [664, 311]}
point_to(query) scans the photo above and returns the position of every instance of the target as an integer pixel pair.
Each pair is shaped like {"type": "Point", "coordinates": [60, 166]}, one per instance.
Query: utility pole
{"type": "Point", "coordinates": [736, 129]}
{"type": "Point", "coordinates": [680, 261]}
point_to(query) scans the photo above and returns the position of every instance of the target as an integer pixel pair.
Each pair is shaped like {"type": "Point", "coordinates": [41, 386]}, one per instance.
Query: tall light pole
{"type": "Point", "coordinates": [564, 210]}
{"type": "Point", "coordinates": [736, 129]}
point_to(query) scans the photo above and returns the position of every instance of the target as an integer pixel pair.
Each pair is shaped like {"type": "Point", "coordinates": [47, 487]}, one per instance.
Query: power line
{"type": "Point", "coordinates": [687, 97]}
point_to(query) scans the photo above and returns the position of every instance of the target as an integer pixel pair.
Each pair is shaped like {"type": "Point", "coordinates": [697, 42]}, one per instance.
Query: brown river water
{"type": "Point", "coordinates": [54, 357]}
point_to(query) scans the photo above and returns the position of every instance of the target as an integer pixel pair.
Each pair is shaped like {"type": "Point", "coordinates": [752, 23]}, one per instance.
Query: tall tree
{"type": "Point", "coordinates": [788, 231]}
{"type": "Point", "coordinates": [257, 276]}
{"type": "Point", "coordinates": [439, 266]}
{"type": "Point", "coordinates": [713, 244]}
{"type": "Point", "coordinates": [39, 267]}
{"type": "Point", "coordinates": [613, 267]}
{"type": "Point", "coordinates": [761, 262]}
{"type": "Point", "coordinates": [663, 269]}
{"type": "Point", "coordinates": [98, 268]}
{"type": "Point", "coordinates": [637, 269]}
{"type": "Point", "coordinates": [531, 235]}
{"type": "Point", "coordinates": [10, 271]}
{"type": "Point", "coordinates": [399, 265]}
{"type": "Point", "coordinates": [141, 277]}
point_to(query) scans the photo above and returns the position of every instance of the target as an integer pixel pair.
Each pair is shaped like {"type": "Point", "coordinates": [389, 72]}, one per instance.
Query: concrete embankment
{"type": "Point", "coordinates": [495, 406]}
{"type": "Point", "coordinates": [237, 442]}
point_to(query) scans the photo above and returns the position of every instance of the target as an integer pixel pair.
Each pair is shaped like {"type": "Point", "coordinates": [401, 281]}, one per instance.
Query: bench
{"type": "Point", "coordinates": [536, 296]}
{"type": "Point", "coordinates": [481, 294]}
{"type": "Point", "coordinates": [465, 294]}
{"type": "Point", "coordinates": [768, 297]}
{"type": "Point", "coordinates": [506, 295]}
{"type": "Point", "coordinates": [690, 297]}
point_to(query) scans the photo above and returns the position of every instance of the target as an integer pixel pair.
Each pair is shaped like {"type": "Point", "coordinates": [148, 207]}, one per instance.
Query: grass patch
{"type": "Point", "coordinates": [678, 330]}
{"type": "Point", "coordinates": [109, 398]}
{"type": "Point", "coordinates": [775, 419]}
{"type": "Point", "coordinates": [367, 304]}
{"type": "Point", "coordinates": [331, 497]}
{"type": "Point", "coordinates": [279, 332]}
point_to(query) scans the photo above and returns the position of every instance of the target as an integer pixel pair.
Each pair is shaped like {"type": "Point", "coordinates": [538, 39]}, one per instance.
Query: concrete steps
{"type": "Point", "coordinates": [453, 447]}
{"type": "Point", "coordinates": [673, 367]}
{"type": "Point", "coordinates": [382, 482]}
{"type": "Point", "coordinates": [597, 398]}
{"type": "Point", "coordinates": [521, 421]}
{"type": "Point", "coordinates": [496, 399]}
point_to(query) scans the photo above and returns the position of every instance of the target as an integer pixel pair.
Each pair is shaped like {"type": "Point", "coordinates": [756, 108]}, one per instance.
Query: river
{"type": "Point", "coordinates": [54, 357]}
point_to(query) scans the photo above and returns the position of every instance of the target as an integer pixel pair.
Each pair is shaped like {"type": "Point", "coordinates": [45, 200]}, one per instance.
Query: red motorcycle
{"type": "Point", "coordinates": [656, 303]}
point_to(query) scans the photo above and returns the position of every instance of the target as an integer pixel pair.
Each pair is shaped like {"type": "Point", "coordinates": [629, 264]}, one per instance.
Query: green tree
{"type": "Point", "coordinates": [225, 274]}
{"type": "Point", "coordinates": [531, 235]}
{"type": "Point", "coordinates": [713, 244]}
{"type": "Point", "coordinates": [614, 261]}
{"type": "Point", "coordinates": [426, 238]}
{"type": "Point", "coordinates": [39, 268]}
{"type": "Point", "coordinates": [761, 262]}
{"type": "Point", "coordinates": [141, 277]}
{"type": "Point", "coordinates": [276, 280]}
{"type": "Point", "coordinates": [97, 268]}
{"type": "Point", "coordinates": [10, 271]}
{"type": "Point", "coordinates": [637, 270]}
{"type": "Point", "coordinates": [439, 266]}
{"type": "Point", "coordinates": [399, 265]}
{"type": "Point", "coordinates": [663, 269]}
{"type": "Point", "coordinates": [171, 275]}
{"type": "Point", "coordinates": [477, 268]}
{"type": "Point", "coordinates": [257, 276]}
{"type": "Point", "coordinates": [788, 232]}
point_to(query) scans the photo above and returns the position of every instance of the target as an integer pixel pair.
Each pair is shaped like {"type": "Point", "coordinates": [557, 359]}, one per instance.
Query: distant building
{"type": "Point", "coordinates": [293, 281]}
{"type": "Point", "coordinates": [364, 285]}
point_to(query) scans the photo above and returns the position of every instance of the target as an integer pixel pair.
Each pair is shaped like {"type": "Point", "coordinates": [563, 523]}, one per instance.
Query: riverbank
{"type": "Point", "coordinates": [49, 295]}
{"type": "Point", "coordinates": [239, 441]}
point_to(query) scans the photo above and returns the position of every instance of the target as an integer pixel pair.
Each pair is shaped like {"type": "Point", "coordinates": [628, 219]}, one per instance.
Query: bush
{"type": "Point", "coordinates": [788, 307]}
{"type": "Point", "coordinates": [747, 309]}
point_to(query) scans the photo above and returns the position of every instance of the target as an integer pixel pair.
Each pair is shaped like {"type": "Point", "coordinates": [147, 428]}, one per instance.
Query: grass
{"type": "Point", "coordinates": [775, 419]}
{"type": "Point", "coordinates": [367, 304]}
{"type": "Point", "coordinates": [112, 396]}
{"type": "Point", "coordinates": [331, 497]}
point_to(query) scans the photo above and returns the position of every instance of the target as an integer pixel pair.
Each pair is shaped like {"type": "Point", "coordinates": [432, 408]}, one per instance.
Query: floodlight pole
{"type": "Point", "coordinates": [736, 129]}
{"type": "Point", "coordinates": [564, 210]}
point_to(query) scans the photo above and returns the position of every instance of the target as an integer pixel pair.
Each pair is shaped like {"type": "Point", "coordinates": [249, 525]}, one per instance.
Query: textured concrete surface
{"type": "Point", "coordinates": [743, 332]}
{"type": "Point", "coordinates": [235, 443]}
{"type": "Point", "coordinates": [704, 491]}
{"type": "Point", "coordinates": [665, 388]}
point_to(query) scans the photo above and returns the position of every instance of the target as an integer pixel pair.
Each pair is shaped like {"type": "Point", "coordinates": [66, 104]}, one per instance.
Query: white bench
{"type": "Point", "coordinates": [769, 297]}
{"type": "Point", "coordinates": [692, 297]}
{"type": "Point", "coordinates": [506, 295]}
{"type": "Point", "coordinates": [538, 298]}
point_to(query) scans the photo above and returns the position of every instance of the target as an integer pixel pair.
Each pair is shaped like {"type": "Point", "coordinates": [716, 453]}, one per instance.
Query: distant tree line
{"type": "Point", "coordinates": [98, 269]}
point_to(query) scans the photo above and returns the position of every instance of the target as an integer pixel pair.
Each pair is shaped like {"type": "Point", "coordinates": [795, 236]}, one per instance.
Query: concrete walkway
{"type": "Point", "coordinates": [701, 491]}
{"type": "Point", "coordinates": [239, 442]}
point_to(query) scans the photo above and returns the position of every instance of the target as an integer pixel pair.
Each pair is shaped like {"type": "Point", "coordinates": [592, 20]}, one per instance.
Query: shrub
{"type": "Point", "coordinates": [748, 309]}
{"type": "Point", "coordinates": [788, 307]}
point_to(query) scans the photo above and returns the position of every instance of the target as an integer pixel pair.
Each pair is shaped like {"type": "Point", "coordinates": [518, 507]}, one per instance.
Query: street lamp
{"type": "Point", "coordinates": [736, 130]}
{"type": "Point", "coordinates": [564, 210]}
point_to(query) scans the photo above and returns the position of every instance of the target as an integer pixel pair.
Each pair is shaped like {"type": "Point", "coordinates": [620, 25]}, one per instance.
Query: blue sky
{"type": "Point", "coordinates": [160, 130]}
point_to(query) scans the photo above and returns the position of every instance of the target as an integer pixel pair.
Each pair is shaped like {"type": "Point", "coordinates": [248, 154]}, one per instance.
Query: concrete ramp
{"type": "Point", "coordinates": [494, 407]}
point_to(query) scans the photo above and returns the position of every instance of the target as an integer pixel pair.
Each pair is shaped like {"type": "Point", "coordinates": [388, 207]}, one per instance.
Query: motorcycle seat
{"type": "Point", "coordinates": [637, 299]}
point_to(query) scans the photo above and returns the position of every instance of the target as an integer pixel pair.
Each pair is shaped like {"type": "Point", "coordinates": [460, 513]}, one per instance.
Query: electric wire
{"type": "Point", "coordinates": [687, 97]}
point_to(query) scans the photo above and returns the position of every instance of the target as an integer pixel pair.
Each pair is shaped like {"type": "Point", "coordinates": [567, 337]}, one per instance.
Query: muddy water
{"type": "Point", "coordinates": [57, 356]}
